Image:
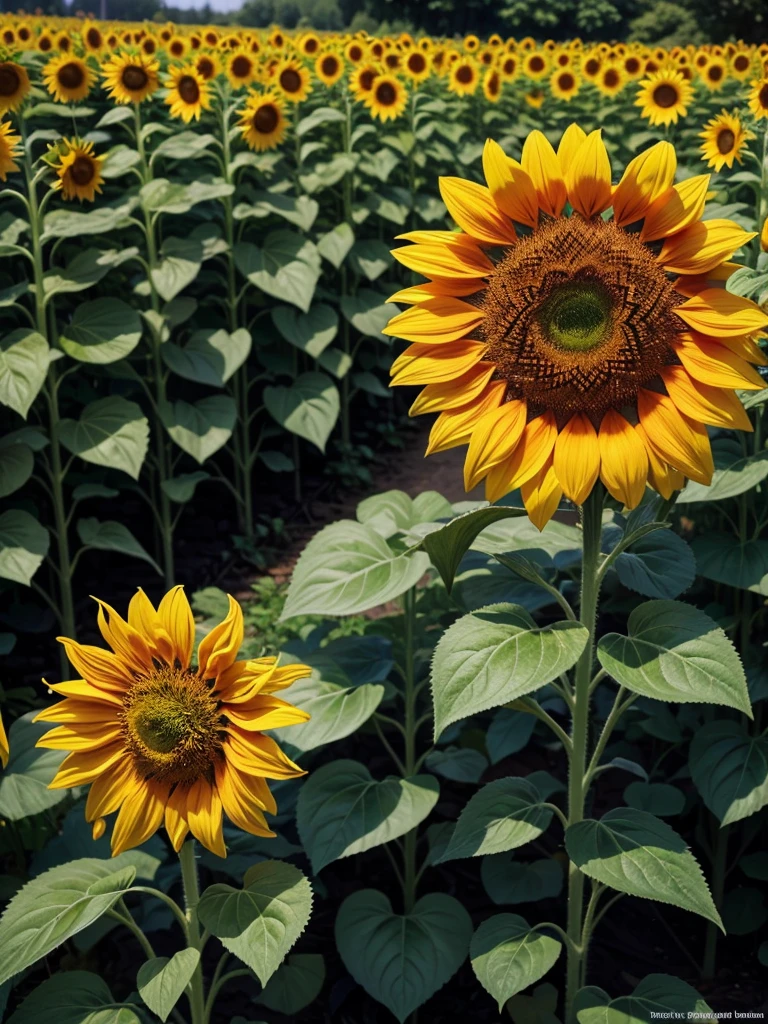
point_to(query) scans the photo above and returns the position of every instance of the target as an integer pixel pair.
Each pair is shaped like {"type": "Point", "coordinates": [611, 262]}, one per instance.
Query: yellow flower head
{"type": "Point", "coordinates": [131, 78]}
{"type": "Point", "coordinates": [664, 97]}
{"type": "Point", "coordinates": [9, 148]}
{"type": "Point", "coordinates": [725, 140]}
{"type": "Point", "coordinates": [387, 99]}
{"type": "Point", "coordinates": [241, 68]}
{"type": "Point", "coordinates": [68, 78]}
{"type": "Point", "coordinates": [329, 67]}
{"type": "Point", "coordinates": [563, 345]}
{"type": "Point", "coordinates": [163, 741]}
{"type": "Point", "coordinates": [14, 85]}
{"type": "Point", "coordinates": [188, 93]}
{"type": "Point", "coordinates": [262, 122]}
{"type": "Point", "coordinates": [757, 98]}
{"type": "Point", "coordinates": [292, 80]}
{"type": "Point", "coordinates": [464, 77]}
{"type": "Point", "coordinates": [78, 169]}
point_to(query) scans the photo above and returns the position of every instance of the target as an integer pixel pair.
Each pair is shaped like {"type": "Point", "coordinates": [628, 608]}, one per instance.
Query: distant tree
{"type": "Point", "coordinates": [287, 13]}
{"type": "Point", "coordinates": [363, 22]}
{"type": "Point", "coordinates": [326, 16]}
{"type": "Point", "coordinates": [256, 13]}
{"type": "Point", "coordinates": [666, 24]}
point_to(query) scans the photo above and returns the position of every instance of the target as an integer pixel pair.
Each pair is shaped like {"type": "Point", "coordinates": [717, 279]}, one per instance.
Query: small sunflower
{"type": "Point", "coordinates": [361, 81]}
{"type": "Point", "coordinates": [329, 67]}
{"type": "Point", "coordinates": [188, 93]}
{"type": "Point", "coordinates": [78, 170]}
{"type": "Point", "coordinates": [207, 65]}
{"type": "Point", "coordinates": [741, 64]}
{"type": "Point", "coordinates": [536, 66]}
{"type": "Point", "coordinates": [417, 66]}
{"type": "Point", "coordinates": [509, 66]}
{"type": "Point", "coordinates": [535, 98]}
{"type": "Point", "coordinates": [45, 42]}
{"type": "Point", "coordinates": [177, 47]}
{"type": "Point", "coordinates": [262, 122]}
{"type": "Point", "coordinates": [130, 78]}
{"type": "Point", "coordinates": [163, 742]}
{"type": "Point", "coordinates": [757, 98]}
{"type": "Point", "coordinates": [714, 74]}
{"type": "Point", "coordinates": [580, 348]}
{"type": "Point", "coordinates": [492, 85]}
{"type": "Point", "coordinates": [292, 80]}
{"type": "Point", "coordinates": [241, 68]}
{"type": "Point", "coordinates": [664, 97]}
{"type": "Point", "coordinates": [355, 51]}
{"type": "Point", "coordinates": [387, 99]}
{"type": "Point", "coordinates": [14, 85]}
{"type": "Point", "coordinates": [725, 140]}
{"type": "Point", "coordinates": [564, 84]}
{"type": "Point", "coordinates": [610, 80]}
{"type": "Point", "coordinates": [9, 144]}
{"type": "Point", "coordinates": [463, 77]}
{"type": "Point", "coordinates": [68, 78]}
{"type": "Point", "coordinates": [92, 37]}
{"type": "Point", "coordinates": [309, 44]}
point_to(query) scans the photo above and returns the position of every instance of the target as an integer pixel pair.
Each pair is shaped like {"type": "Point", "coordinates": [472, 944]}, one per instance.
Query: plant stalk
{"type": "Point", "coordinates": [191, 888]}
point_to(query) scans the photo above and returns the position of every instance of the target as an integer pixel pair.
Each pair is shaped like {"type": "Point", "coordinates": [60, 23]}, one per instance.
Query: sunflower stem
{"type": "Point", "coordinates": [409, 761]}
{"type": "Point", "coordinates": [191, 886]}
{"type": "Point", "coordinates": [591, 521]}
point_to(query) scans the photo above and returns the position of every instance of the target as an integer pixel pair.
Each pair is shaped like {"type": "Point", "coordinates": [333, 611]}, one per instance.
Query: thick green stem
{"type": "Point", "coordinates": [346, 433]}
{"type": "Point", "coordinates": [189, 881]}
{"type": "Point", "coordinates": [409, 761]}
{"type": "Point", "coordinates": [591, 520]}
{"type": "Point", "coordinates": [719, 867]}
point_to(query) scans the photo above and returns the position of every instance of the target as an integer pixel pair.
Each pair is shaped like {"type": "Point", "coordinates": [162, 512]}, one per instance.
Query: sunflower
{"type": "Point", "coordinates": [509, 67]}
{"type": "Point", "coordinates": [177, 47]}
{"type": "Point", "coordinates": [262, 122]}
{"type": "Point", "coordinates": [417, 66]}
{"type": "Point", "coordinates": [188, 93]}
{"type": "Point", "coordinates": [92, 38]}
{"type": "Point", "coordinates": [329, 68]}
{"type": "Point", "coordinates": [564, 84]}
{"type": "Point", "coordinates": [387, 99]}
{"type": "Point", "coordinates": [714, 74]}
{"type": "Point", "coordinates": [78, 169]}
{"type": "Point", "coordinates": [9, 143]}
{"type": "Point", "coordinates": [68, 78]}
{"type": "Point", "coordinates": [591, 65]}
{"type": "Point", "coordinates": [492, 84]}
{"type": "Point", "coordinates": [725, 140]}
{"type": "Point", "coordinates": [63, 42]}
{"type": "Point", "coordinates": [463, 77]}
{"type": "Point", "coordinates": [664, 97]}
{"type": "Point", "coordinates": [292, 80]}
{"type": "Point", "coordinates": [14, 85]}
{"type": "Point", "coordinates": [355, 51]}
{"type": "Point", "coordinates": [757, 97]}
{"type": "Point", "coordinates": [567, 348]}
{"type": "Point", "coordinates": [535, 66]}
{"type": "Point", "coordinates": [535, 98]}
{"type": "Point", "coordinates": [148, 46]}
{"type": "Point", "coordinates": [162, 742]}
{"type": "Point", "coordinates": [361, 81]}
{"type": "Point", "coordinates": [130, 78]}
{"type": "Point", "coordinates": [610, 80]}
{"type": "Point", "coordinates": [241, 68]}
{"type": "Point", "coordinates": [207, 65]}
{"type": "Point", "coordinates": [45, 42]}
{"type": "Point", "coordinates": [741, 64]}
{"type": "Point", "coordinates": [309, 44]}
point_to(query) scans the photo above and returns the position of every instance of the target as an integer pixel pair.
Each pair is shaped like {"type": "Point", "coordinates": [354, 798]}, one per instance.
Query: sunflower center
{"type": "Point", "coordinates": [567, 81]}
{"type": "Point", "coordinates": [385, 94]}
{"type": "Point", "coordinates": [290, 80]}
{"type": "Point", "coordinates": [94, 38]}
{"type": "Point", "coordinates": [725, 141]}
{"type": "Point", "coordinates": [241, 67]}
{"type": "Point", "coordinates": [464, 74]}
{"type": "Point", "coordinates": [578, 316]}
{"type": "Point", "coordinates": [416, 63]}
{"type": "Point", "coordinates": [665, 96]}
{"type": "Point", "coordinates": [366, 80]}
{"type": "Point", "coordinates": [265, 119]}
{"type": "Point", "coordinates": [171, 725]}
{"type": "Point", "coordinates": [71, 75]}
{"type": "Point", "coordinates": [9, 80]}
{"type": "Point", "coordinates": [329, 65]}
{"type": "Point", "coordinates": [82, 170]}
{"type": "Point", "coordinates": [188, 89]}
{"type": "Point", "coordinates": [134, 78]}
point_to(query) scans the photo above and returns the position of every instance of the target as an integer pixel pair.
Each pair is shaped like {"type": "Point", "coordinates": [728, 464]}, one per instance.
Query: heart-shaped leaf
{"type": "Point", "coordinates": [161, 982]}
{"type": "Point", "coordinates": [508, 955]}
{"type": "Point", "coordinates": [309, 407]}
{"type": "Point", "coordinates": [730, 770]}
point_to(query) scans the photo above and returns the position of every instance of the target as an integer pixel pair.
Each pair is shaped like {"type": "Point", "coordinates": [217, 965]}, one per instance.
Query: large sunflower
{"type": "Point", "coordinates": [262, 122]}
{"type": "Point", "coordinates": [664, 97]}
{"type": "Point", "coordinates": [78, 170]}
{"type": "Point", "coordinates": [329, 67]}
{"type": "Point", "coordinates": [567, 348]}
{"type": "Point", "coordinates": [9, 148]}
{"type": "Point", "coordinates": [130, 78]}
{"type": "Point", "coordinates": [159, 740]}
{"type": "Point", "coordinates": [292, 80]}
{"type": "Point", "coordinates": [68, 78]}
{"type": "Point", "coordinates": [188, 93]}
{"type": "Point", "coordinates": [725, 140]}
{"type": "Point", "coordinates": [14, 85]}
{"type": "Point", "coordinates": [387, 99]}
{"type": "Point", "coordinates": [757, 99]}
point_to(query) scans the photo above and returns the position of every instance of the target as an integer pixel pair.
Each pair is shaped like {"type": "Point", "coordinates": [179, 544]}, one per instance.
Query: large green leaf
{"type": "Point", "coordinates": [348, 568]}
{"type": "Point", "coordinates": [659, 564]}
{"type": "Point", "coordinates": [101, 331]}
{"type": "Point", "coordinates": [179, 265]}
{"type": "Point", "coordinates": [85, 270]}
{"type": "Point", "coordinates": [734, 473]}
{"type": "Point", "coordinates": [112, 536]}
{"type": "Point", "coordinates": [310, 332]}
{"type": "Point", "coordinates": [369, 313]}
{"type": "Point", "coordinates": [57, 905]}
{"type": "Point", "coordinates": [402, 960]}
{"type": "Point", "coordinates": [23, 546]}
{"type": "Point", "coordinates": [111, 432]}
{"type": "Point", "coordinates": [23, 366]}
{"type": "Point", "coordinates": [503, 815]}
{"type": "Point", "coordinates": [63, 223]}
{"type": "Point", "coordinates": [161, 981]}
{"type": "Point", "coordinates": [309, 407]}
{"type": "Point", "coordinates": [299, 210]}
{"type": "Point", "coordinates": [287, 267]}
{"type": "Point", "coordinates": [200, 429]}
{"type": "Point", "coordinates": [260, 922]}
{"type": "Point", "coordinates": [676, 652]}
{"type": "Point", "coordinates": [336, 710]}
{"type": "Point", "coordinates": [210, 356]}
{"type": "Point", "coordinates": [508, 955]}
{"type": "Point", "coordinates": [342, 810]}
{"type": "Point", "coordinates": [30, 769]}
{"type": "Point", "coordinates": [447, 546]}
{"type": "Point", "coordinates": [163, 196]}
{"type": "Point", "coordinates": [730, 770]}
{"type": "Point", "coordinates": [657, 996]}
{"type": "Point", "coordinates": [496, 654]}
{"type": "Point", "coordinates": [510, 881]}
{"type": "Point", "coordinates": [638, 854]}
{"type": "Point", "coordinates": [722, 557]}
{"type": "Point", "coordinates": [335, 245]}
{"type": "Point", "coordinates": [295, 984]}
{"type": "Point", "coordinates": [321, 115]}
{"type": "Point", "coordinates": [394, 511]}
{"type": "Point", "coordinates": [17, 463]}
{"type": "Point", "coordinates": [74, 997]}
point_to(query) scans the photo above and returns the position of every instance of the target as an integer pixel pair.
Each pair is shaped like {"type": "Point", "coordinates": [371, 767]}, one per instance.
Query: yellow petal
{"type": "Point", "coordinates": [243, 802]}
{"type": "Point", "coordinates": [700, 437]}
{"type": "Point", "coordinates": [661, 476]}
{"type": "Point", "coordinates": [542, 166]}
{"type": "Point", "coordinates": [493, 440]}
{"type": "Point", "coordinates": [83, 736]}
{"type": "Point", "coordinates": [531, 454]}
{"type": "Point", "coordinates": [83, 766]}
{"type": "Point", "coordinates": [178, 622]}
{"type": "Point", "coordinates": [577, 458]}
{"type": "Point", "coordinates": [460, 262]}
{"type": "Point", "coordinates": [646, 178]}
{"type": "Point", "coordinates": [454, 394]}
{"type": "Point", "coordinates": [110, 789]}
{"type": "Point", "coordinates": [82, 711]}
{"type": "Point", "coordinates": [436, 321]}
{"type": "Point", "coordinates": [127, 643]}
{"type": "Point", "coordinates": [668, 434]}
{"type": "Point", "coordinates": [5, 749]}
{"type": "Point", "coordinates": [176, 824]}
{"type": "Point", "coordinates": [434, 364]}
{"type": "Point", "coordinates": [473, 208]}
{"type": "Point", "coordinates": [98, 829]}
{"type": "Point", "coordinates": [714, 364]}
{"type": "Point", "coordinates": [101, 668]}
{"type": "Point", "coordinates": [259, 755]}
{"type": "Point", "coordinates": [542, 493]}
{"type": "Point", "coordinates": [717, 312]}
{"type": "Point", "coordinates": [716, 406]}
{"type": "Point", "coordinates": [573, 136]}
{"type": "Point", "coordinates": [623, 459]}
{"type": "Point", "coordinates": [432, 289]}
{"type": "Point", "coordinates": [589, 177]}
{"type": "Point", "coordinates": [79, 688]}
{"type": "Point", "coordinates": [454, 427]}
{"type": "Point", "coordinates": [677, 209]}
{"type": "Point", "coordinates": [702, 246]}
{"type": "Point", "coordinates": [204, 816]}
{"type": "Point", "coordinates": [512, 189]}
{"type": "Point", "coordinates": [140, 816]}
{"type": "Point", "coordinates": [219, 649]}
{"type": "Point", "coordinates": [265, 712]}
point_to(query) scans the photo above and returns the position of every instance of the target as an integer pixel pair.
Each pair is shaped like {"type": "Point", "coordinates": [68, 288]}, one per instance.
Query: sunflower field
{"type": "Point", "coordinates": [501, 757]}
